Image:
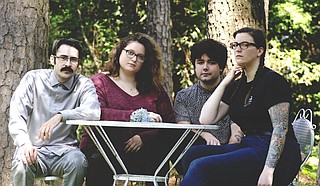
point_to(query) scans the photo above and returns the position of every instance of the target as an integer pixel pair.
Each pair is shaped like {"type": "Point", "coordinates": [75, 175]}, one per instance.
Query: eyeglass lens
{"type": "Point", "coordinates": [64, 59]}
{"type": "Point", "coordinates": [243, 45]}
{"type": "Point", "coordinates": [132, 54]}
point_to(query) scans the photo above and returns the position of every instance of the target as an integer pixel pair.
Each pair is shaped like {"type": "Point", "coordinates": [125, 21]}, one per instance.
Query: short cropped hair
{"type": "Point", "coordinates": [66, 41]}
{"type": "Point", "coordinates": [215, 50]}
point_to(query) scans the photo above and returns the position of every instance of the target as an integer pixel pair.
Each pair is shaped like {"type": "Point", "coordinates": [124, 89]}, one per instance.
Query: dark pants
{"type": "Point", "coordinates": [238, 164]}
{"type": "Point", "coordinates": [145, 161]}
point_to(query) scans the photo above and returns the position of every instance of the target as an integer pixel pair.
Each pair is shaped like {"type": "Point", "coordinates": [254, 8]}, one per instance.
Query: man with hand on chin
{"type": "Point", "coordinates": [39, 107]}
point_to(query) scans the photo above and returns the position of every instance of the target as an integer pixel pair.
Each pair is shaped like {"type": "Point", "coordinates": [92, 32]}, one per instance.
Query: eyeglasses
{"type": "Point", "coordinates": [131, 54]}
{"type": "Point", "coordinates": [243, 45]}
{"type": "Point", "coordinates": [65, 59]}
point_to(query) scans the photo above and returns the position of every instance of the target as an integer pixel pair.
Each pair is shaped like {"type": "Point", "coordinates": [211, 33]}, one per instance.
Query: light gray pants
{"type": "Point", "coordinates": [71, 166]}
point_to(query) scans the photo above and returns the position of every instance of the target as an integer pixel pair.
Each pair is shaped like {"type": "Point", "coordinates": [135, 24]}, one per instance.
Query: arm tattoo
{"type": "Point", "coordinates": [279, 115]}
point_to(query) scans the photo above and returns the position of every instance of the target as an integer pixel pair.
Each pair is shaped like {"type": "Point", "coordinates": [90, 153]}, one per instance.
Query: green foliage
{"type": "Point", "coordinates": [310, 168]}
{"type": "Point", "coordinates": [301, 75]}
{"type": "Point", "coordinates": [295, 23]}
{"type": "Point", "coordinates": [291, 17]}
{"type": "Point", "coordinates": [98, 24]}
{"type": "Point", "coordinates": [294, 49]}
{"type": "Point", "coordinates": [188, 26]}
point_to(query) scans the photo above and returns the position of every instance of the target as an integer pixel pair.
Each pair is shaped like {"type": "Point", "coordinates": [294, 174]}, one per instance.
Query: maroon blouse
{"type": "Point", "coordinates": [117, 105]}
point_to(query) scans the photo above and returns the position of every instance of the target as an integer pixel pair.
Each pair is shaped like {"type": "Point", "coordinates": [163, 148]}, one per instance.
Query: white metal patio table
{"type": "Point", "coordinates": [155, 178]}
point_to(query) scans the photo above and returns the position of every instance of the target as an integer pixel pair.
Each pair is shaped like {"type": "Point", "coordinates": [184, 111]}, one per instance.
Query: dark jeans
{"type": "Point", "coordinates": [238, 164]}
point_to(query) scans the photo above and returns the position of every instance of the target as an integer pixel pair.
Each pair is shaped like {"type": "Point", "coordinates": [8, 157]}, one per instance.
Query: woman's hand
{"type": "Point", "coordinates": [155, 117]}
{"type": "Point", "coordinates": [236, 134]}
{"type": "Point", "coordinates": [234, 73]}
{"type": "Point", "coordinates": [134, 144]}
{"type": "Point", "coordinates": [266, 177]}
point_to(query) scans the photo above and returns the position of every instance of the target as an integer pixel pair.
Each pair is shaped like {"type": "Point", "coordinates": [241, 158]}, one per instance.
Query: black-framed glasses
{"type": "Point", "coordinates": [64, 59]}
{"type": "Point", "coordinates": [243, 45]}
{"type": "Point", "coordinates": [131, 54]}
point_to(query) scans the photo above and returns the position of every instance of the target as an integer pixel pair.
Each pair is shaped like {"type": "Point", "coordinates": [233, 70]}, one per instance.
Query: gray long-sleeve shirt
{"type": "Point", "coordinates": [40, 96]}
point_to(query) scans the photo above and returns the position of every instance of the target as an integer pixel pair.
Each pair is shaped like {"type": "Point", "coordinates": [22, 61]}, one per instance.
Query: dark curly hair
{"type": "Point", "coordinates": [150, 76]}
{"type": "Point", "coordinates": [215, 50]}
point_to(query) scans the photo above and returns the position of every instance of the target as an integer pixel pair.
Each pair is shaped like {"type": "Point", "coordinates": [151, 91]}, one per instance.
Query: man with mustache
{"type": "Point", "coordinates": [39, 107]}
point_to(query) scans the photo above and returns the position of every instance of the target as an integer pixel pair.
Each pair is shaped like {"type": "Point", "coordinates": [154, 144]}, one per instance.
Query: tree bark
{"type": "Point", "coordinates": [224, 17]}
{"type": "Point", "coordinates": [158, 26]}
{"type": "Point", "coordinates": [24, 26]}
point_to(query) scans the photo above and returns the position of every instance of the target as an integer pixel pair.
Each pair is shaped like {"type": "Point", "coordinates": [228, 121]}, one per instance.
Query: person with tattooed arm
{"type": "Point", "coordinates": [258, 100]}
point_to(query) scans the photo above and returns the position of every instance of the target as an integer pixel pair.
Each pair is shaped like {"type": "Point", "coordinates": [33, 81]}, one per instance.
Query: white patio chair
{"type": "Point", "coordinates": [304, 132]}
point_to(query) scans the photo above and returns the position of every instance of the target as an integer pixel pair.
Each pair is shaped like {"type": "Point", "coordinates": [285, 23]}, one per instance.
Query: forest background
{"type": "Point", "coordinates": [292, 27]}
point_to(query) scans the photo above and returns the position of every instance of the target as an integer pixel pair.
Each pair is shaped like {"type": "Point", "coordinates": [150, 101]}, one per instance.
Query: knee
{"type": "Point", "coordinates": [76, 161]}
{"type": "Point", "coordinates": [194, 166]}
{"type": "Point", "coordinates": [20, 169]}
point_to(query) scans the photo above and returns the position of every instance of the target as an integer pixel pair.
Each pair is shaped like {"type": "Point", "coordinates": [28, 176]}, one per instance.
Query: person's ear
{"type": "Point", "coordinates": [260, 51]}
{"type": "Point", "coordinates": [52, 60]}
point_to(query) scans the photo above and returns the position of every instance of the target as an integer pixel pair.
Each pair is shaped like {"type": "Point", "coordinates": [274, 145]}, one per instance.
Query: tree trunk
{"type": "Point", "coordinates": [24, 26]}
{"type": "Point", "coordinates": [158, 26]}
{"type": "Point", "coordinates": [226, 16]}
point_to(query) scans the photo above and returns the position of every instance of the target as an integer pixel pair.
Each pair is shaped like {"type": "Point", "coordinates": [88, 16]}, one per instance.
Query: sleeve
{"type": "Point", "coordinates": [106, 112]}
{"type": "Point", "coordinates": [180, 108]}
{"type": "Point", "coordinates": [229, 92]}
{"type": "Point", "coordinates": [277, 90]}
{"type": "Point", "coordinates": [89, 108]}
{"type": "Point", "coordinates": [21, 105]}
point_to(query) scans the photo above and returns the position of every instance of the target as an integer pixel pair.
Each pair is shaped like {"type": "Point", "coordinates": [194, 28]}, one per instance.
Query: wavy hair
{"type": "Point", "coordinates": [150, 76]}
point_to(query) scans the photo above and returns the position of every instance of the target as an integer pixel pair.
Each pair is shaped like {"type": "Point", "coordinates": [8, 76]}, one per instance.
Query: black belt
{"type": "Point", "coordinates": [257, 133]}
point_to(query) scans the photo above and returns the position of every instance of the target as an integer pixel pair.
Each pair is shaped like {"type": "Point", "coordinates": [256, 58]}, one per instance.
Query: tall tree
{"type": "Point", "coordinates": [23, 46]}
{"type": "Point", "coordinates": [158, 26]}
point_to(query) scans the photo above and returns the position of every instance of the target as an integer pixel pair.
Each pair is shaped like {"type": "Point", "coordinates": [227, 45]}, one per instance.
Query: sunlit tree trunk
{"type": "Point", "coordinates": [226, 16]}
{"type": "Point", "coordinates": [24, 26]}
{"type": "Point", "coordinates": [158, 26]}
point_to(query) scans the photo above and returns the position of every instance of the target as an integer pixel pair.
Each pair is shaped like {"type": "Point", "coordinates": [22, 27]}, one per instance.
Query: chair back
{"type": "Point", "coordinates": [304, 132]}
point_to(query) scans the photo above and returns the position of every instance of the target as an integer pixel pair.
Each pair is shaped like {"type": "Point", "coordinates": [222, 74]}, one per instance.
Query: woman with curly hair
{"type": "Point", "coordinates": [130, 85]}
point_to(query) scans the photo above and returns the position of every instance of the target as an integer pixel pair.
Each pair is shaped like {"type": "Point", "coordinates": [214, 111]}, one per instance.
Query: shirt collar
{"type": "Point", "coordinates": [203, 89]}
{"type": "Point", "coordinates": [54, 81]}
